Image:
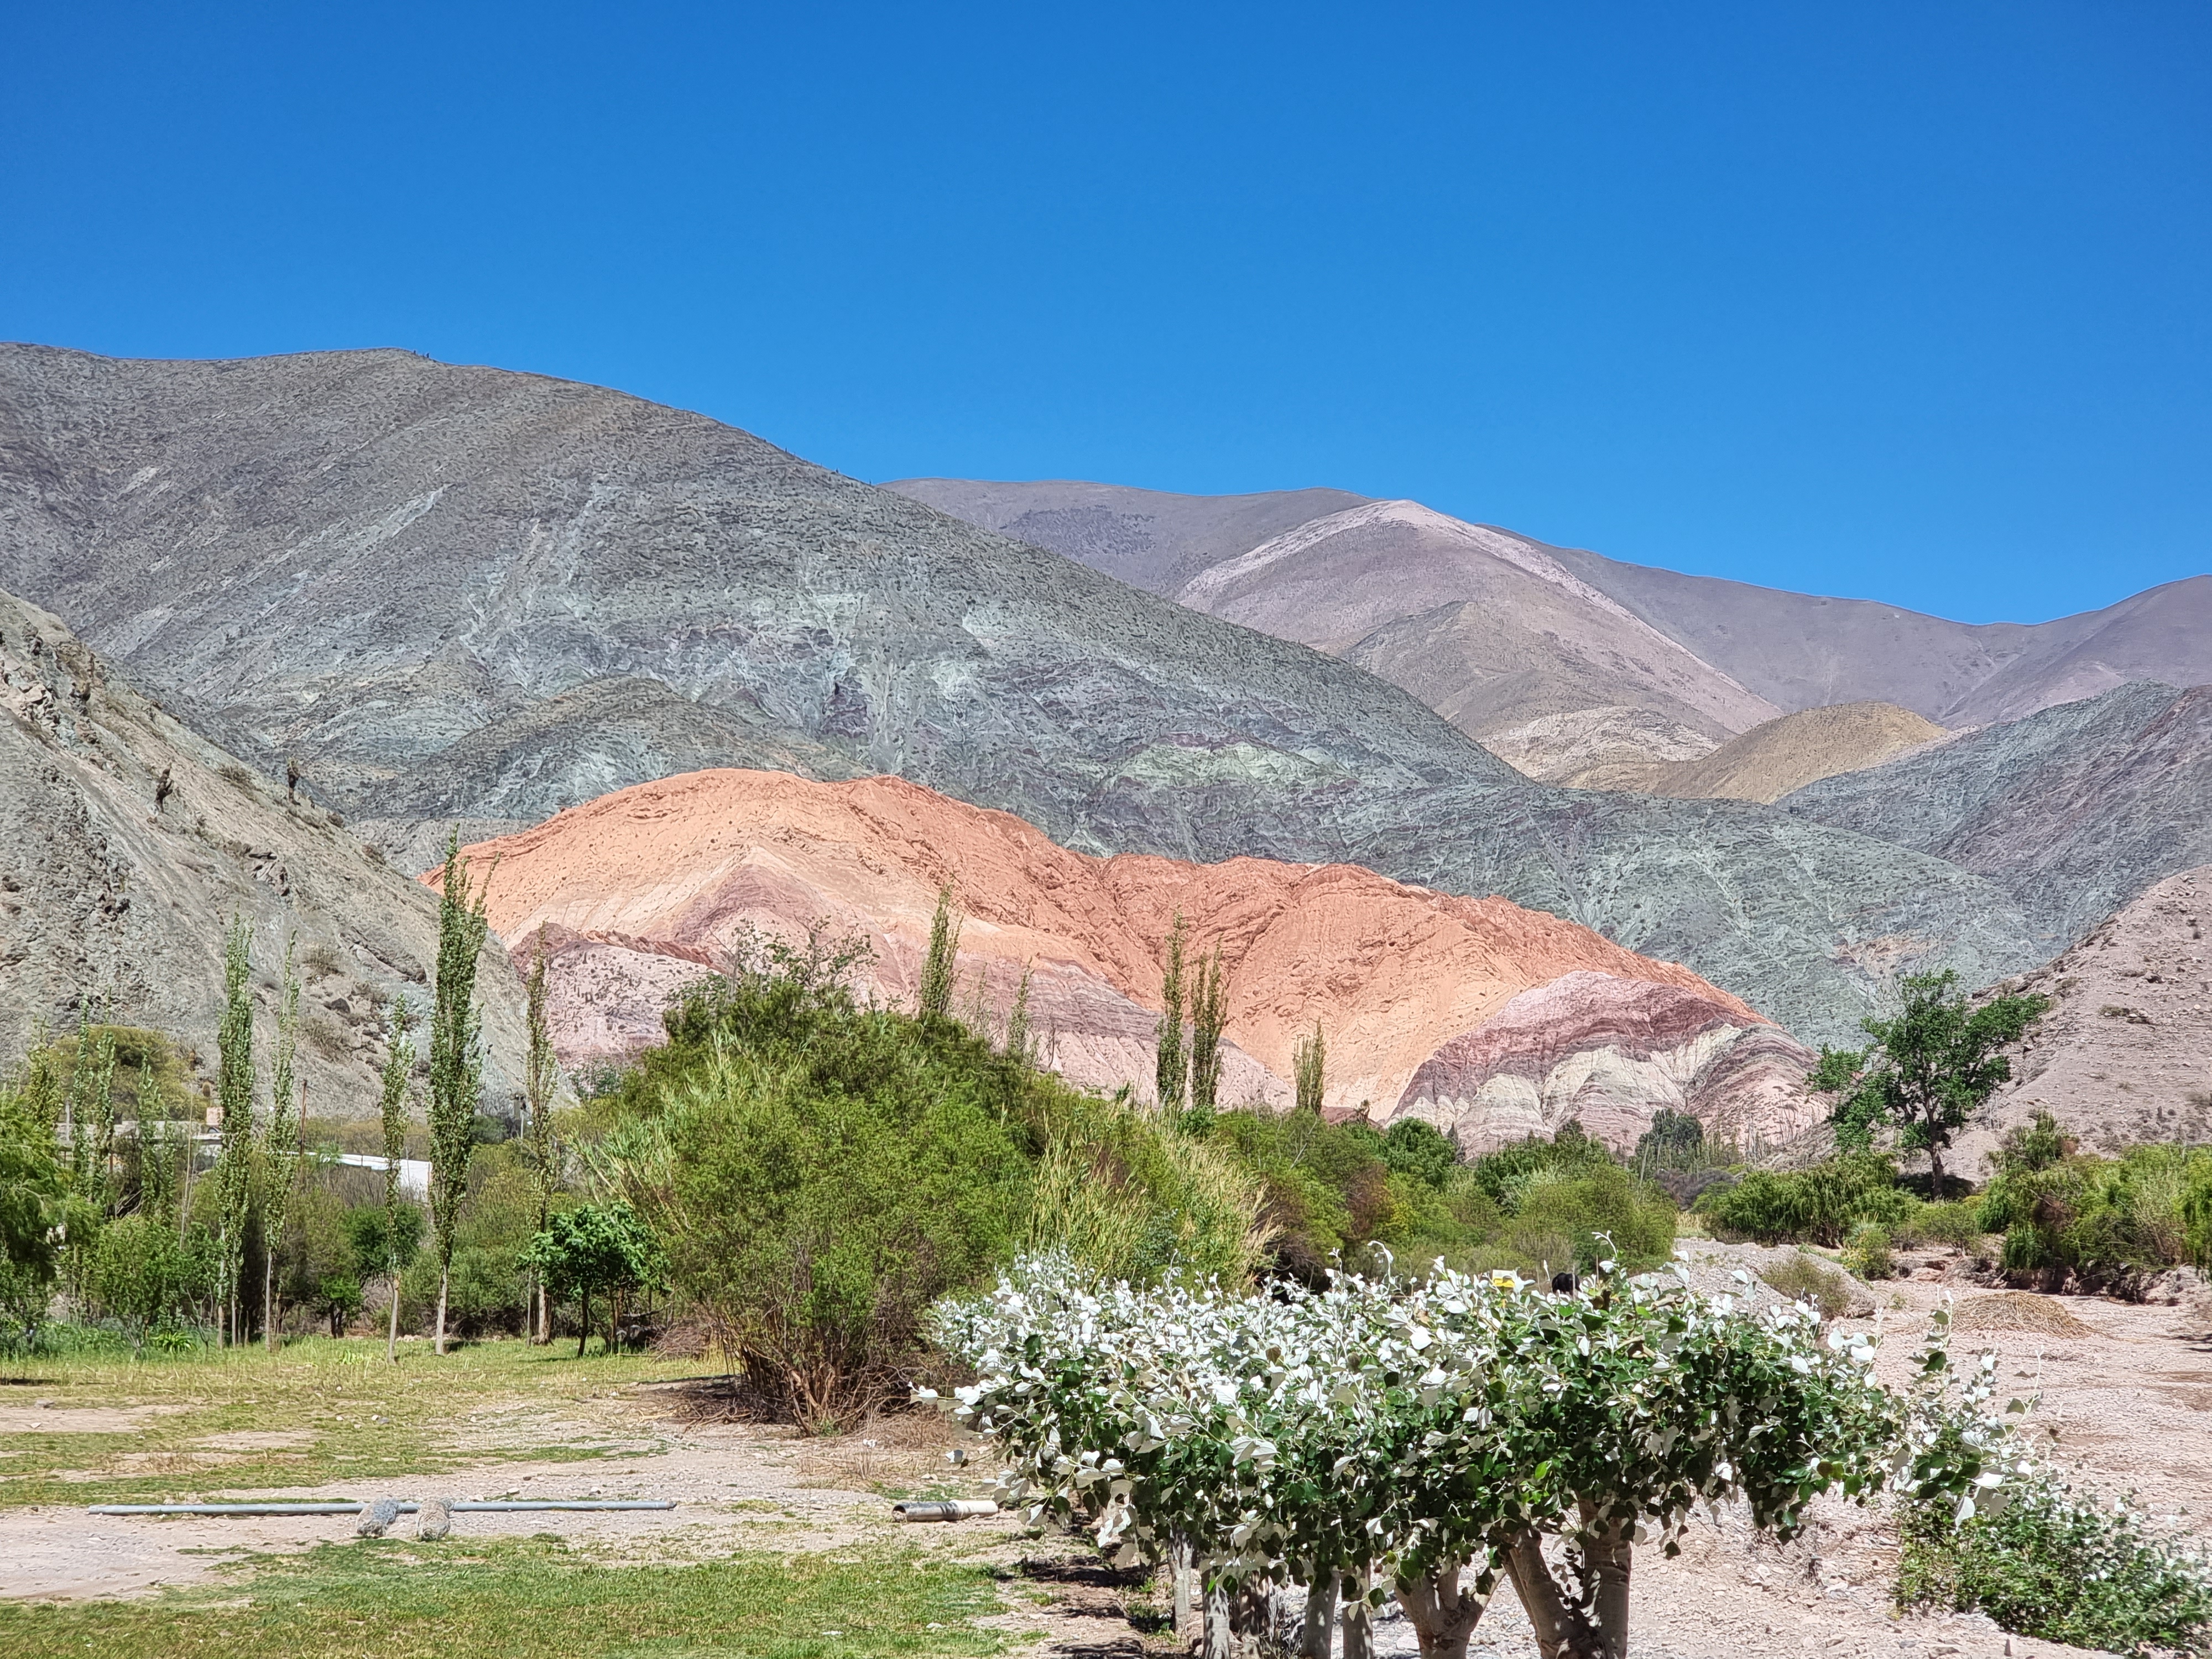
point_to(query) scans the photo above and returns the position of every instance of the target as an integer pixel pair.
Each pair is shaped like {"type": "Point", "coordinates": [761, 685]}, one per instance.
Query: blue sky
{"type": "Point", "coordinates": [1912, 302]}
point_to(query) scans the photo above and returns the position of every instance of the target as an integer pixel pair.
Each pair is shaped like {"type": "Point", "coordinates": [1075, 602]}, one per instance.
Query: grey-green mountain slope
{"type": "Point", "coordinates": [462, 594]}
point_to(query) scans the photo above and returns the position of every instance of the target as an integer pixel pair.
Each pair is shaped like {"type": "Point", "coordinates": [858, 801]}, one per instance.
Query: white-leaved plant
{"type": "Point", "coordinates": [1426, 1438]}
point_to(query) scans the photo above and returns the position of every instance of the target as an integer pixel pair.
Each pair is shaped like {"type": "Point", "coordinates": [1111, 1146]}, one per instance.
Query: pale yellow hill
{"type": "Point", "coordinates": [1779, 755]}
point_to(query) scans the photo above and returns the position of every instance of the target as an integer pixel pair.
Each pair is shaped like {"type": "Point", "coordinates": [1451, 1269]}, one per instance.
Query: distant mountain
{"type": "Point", "coordinates": [463, 596]}
{"type": "Point", "coordinates": [126, 845]}
{"type": "Point", "coordinates": [2073, 810]}
{"type": "Point", "coordinates": [1773, 759]}
{"type": "Point", "coordinates": [646, 888]}
{"type": "Point", "coordinates": [1793, 651]}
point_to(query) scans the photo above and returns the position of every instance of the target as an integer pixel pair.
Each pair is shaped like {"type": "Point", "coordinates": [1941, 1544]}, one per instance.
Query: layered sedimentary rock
{"type": "Point", "coordinates": [1606, 1052]}
{"type": "Point", "coordinates": [127, 844]}
{"type": "Point", "coordinates": [647, 888]}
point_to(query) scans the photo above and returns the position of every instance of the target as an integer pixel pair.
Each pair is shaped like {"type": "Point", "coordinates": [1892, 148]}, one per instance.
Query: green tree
{"type": "Point", "coordinates": [234, 1088]}
{"type": "Point", "coordinates": [280, 1151]}
{"type": "Point", "coordinates": [1208, 1015]}
{"type": "Point", "coordinates": [1309, 1069]}
{"type": "Point", "coordinates": [398, 1064]}
{"type": "Point", "coordinates": [939, 968]}
{"type": "Point", "coordinates": [455, 1057]}
{"type": "Point", "coordinates": [541, 1081]}
{"type": "Point", "coordinates": [36, 1205]}
{"type": "Point", "coordinates": [140, 1274]}
{"type": "Point", "coordinates": [1928, 1069]}
{"type": "Point", "coordinates": [1171, 1068]}
{"type": "Point", "coordinates": [595, 1249]}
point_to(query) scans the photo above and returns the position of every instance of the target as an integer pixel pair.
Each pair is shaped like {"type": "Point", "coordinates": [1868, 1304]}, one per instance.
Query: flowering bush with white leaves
{"type": "Point", "coordinates": [1428, 1437]}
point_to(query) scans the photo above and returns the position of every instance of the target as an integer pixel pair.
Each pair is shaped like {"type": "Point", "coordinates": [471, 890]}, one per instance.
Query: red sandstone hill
{"type": "Point", "coordinates": [1473, 1014]}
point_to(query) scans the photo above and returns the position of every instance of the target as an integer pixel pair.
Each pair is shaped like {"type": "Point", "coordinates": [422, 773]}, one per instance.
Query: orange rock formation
{"type": "Point", "coordinates": [641, 889]}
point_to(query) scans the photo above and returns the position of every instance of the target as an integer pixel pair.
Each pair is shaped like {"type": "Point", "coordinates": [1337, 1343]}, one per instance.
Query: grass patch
{"type": "Point", "coordinates": [361, 1419]}
{"type": "Point", "coordinates": [533, 1596]}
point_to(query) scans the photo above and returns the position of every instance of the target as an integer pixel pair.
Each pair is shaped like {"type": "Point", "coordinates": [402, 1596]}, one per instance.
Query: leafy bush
{"type": "Point", "coordinates": [1819, 1205]}
{"type": "Point", "coordinates": [1866, 1252]}
{"type": "Point", "coordinates": [1506, 1174]}
{"type": "Point", "coordinates": [600, 1249]}
{"type": "Point", "coordinates": [1131, 1200]}
{"type": "Point", "coordinates": [1958, 1223]}
{"type": "Point", "coordinates": [2063, 1211]}
{"type": "Point", "coordinates": [1803, 1278]}
{"type": "Point", "coordinates": [1577, 1204]}
{"type": "Point", "coordinates": [2065, 1568]}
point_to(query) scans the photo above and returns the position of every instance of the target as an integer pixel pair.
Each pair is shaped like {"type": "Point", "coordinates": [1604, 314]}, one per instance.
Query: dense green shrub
{"type": "Point", "coordinates": [1506, 1174]}
{"type": "Point", "coordinates": [2063, 1567]}
{"type": "Point", "coordinates": [2064, 1210]}
{"type": "Point", "coordinates": [1803, 1278]}
{"type": "Point", "coordinates": [1820, 1205]}
{"type": "Point", "coordinates": [1958, 1222]}
{"type": "Point", "coordinates": [1577, 1205]}
{"type": "Point", "coordinates": [1866, 1252]}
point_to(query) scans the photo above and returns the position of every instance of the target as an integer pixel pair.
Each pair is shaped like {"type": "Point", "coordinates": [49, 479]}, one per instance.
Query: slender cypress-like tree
{"type": "Point", "coordinates": [1171, 1069]}
{"type": "Point", "coordinates": [233, 1168]}
{"type": "Point", "coordinates": [1021, 1043]}
{"type": "Point", "coordinates": [456, 1059]}
{"type": "Point", "coordinates": [938, 969]}
{"type": "Point", "coordinates": [278, 1163]}
{"type": "Point", "coordinates": [541, 1080]}
{"type": "Point", "coordinates": [1309, 1067]}
{"type": "Point", "coordinates": [1208, 1013]}
{"type": "Point", "coordinates": [398, 1065]}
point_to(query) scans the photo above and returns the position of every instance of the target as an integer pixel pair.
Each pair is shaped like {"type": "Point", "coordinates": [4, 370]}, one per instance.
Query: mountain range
{"type": "Point", "coordinates": [470, 598]}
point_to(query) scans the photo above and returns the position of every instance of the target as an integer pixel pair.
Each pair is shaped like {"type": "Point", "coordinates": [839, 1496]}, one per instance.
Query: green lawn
{"type": "Point", "coordinates": [351, 1417]}
{"type": "Point", "coordinates": [530, 1597]}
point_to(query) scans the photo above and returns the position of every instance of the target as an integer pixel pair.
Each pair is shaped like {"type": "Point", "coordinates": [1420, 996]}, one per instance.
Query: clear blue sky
{"type": "Point", "coordinates": [1909, 301]}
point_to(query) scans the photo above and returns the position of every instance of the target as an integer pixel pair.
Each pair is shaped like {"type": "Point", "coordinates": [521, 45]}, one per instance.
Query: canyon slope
{"type": "Point", "coordinates": [2125, 1053]}
{"type": "Point", "coordinates": [1489, 1019]}
{"type": "Point", "coordinates": [126, 845]}
{"type": "Point", "coordinates": [1795, 651]}
{"type": "Point", "coordinates": [1778, 757]}
{"type": "Point", "coordinates": [464, 596]}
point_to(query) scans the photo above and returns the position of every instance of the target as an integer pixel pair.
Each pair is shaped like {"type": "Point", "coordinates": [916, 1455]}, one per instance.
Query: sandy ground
{"type": "Point", "coordinates": [2130, 1406]}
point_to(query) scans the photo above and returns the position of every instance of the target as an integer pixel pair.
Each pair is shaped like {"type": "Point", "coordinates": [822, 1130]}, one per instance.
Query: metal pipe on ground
{"type": "Point", "coordinates": [356, 1509]}
{"type": "Point", "coordinates": [958, 1509]}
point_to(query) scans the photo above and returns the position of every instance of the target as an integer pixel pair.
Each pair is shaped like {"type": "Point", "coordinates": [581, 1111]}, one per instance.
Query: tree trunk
{"type": "Point", "coordinates": [543, 1335]}
{"type": "Point", "coordinates": [1443, 1616]}
{"type": "Point", "coordinates": [583, 1324]}
{"type": "Point", "coordinates": [1936, 1177]}
{"type": "Point", "coordinates": [1359, 1621]}
{"type": "Point", "coordinates": [391, 1341]}
{"type": "Point", "coordinates": [1317, 1639]}
{"type": "Point", "coordinates": [1562, 1630]}
{"type": "Point", "coordinates": [269, 1300]}
{"type": "Point", "coordinates": [1611, 1550]}
{"type": "Point", "coordinates": [444, 1278]}
{"type": "Point", "coordinates": [1218, 1641]}
{"type": "Point", "coordinates": [1184, 1577]}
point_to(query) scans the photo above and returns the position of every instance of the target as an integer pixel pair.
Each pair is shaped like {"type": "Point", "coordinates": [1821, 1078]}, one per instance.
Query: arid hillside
{"type": "Point", "coordinates": [647, 888]}
{"type": "Point", "coordinates": [1782, 755]}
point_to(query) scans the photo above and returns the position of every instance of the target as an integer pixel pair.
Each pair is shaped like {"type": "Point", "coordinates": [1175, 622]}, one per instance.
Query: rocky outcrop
{"type": "Point", "coordinates": [1773, 759]}
{"type": "Point", "coordinates": [1608, 1051]}
{"type": "Point", "coordinates": [650, 887]}
{"type": "Point", "coordinates": [2125, 1053]}
{"type": "Point", "coordinates": [1565, 748]}
{"type": "Point", "coordinates": [126, 845]}
{"type": "Point", "coordinates": [464, 597]}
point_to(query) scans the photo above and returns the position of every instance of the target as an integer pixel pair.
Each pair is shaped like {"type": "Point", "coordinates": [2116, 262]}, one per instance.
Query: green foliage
{"type": "Point", "coordinates": [37, 1207]}
{"type": "Point", "coordinates": [143, 1277]}
{"type": "Point", "coordinates": [595, 1249]}
{"type": "Point", "coordinates": [1583, 1213]}
{"type": "Point", "coordinates": [2063, 1211]}
{"type": "Point", "coordinates": [456, 1050]}
{"type": "Point", "coordinates": [1929, 1068]}
{"type": "Point", "coordinates": [1675, 1140]}
{"type": "Point", "coordinates": [1171, 1063]}
{"type": "Point", "coordinates": [1821, 1203]}
{"type": "Point", "coordinates": [1866, 1252]}
{"type": "Point", "coordinates": [1957, 1223]}
{"type": "Point", "coordinates": [1131, 1199]}
{"type": "Point", "coordinates": [939, 968]}
{"type": "Point", "coordinates": [233, 1091]}
{"type": "Point", "coordinates": [1209, 1014]}
{"type": "Point", "coordinates": [820, 1172]}
{"type": "Point", "coordinates": [1309, 1071]}
{"type": "Point", "coordinates": [1411, 1147]}
{"type": "Point", "coordinates": [1508, 1173]}
{"type": "Point", "coordinates": [2062, 1567]}
{"type": "Point", "coordinates": [1803, 1278]}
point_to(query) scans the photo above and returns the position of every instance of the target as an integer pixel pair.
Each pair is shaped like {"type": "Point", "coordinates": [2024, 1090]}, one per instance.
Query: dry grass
{"type": "Point", "coordinates": [2017, 1310]}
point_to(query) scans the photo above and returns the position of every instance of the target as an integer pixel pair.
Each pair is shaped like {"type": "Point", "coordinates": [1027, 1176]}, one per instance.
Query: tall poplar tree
{"type": "Point", "coordinates": [279, 1156]}
{"type": "Point", "coordinates": [938, 969]}
{"type": "Point", "coordinates": [1208, 1013]}
{"type": "Point", "coordinates": [541, 1080]}
{"type": "Point", "coordinates": [234, 1093]}
{"type": "Point", "coordinates": [1171, 1069]}
{"type": "Point", "coordinates": [456, 1058]}
{"type": "Point", "coordinates": [398, 1065]}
